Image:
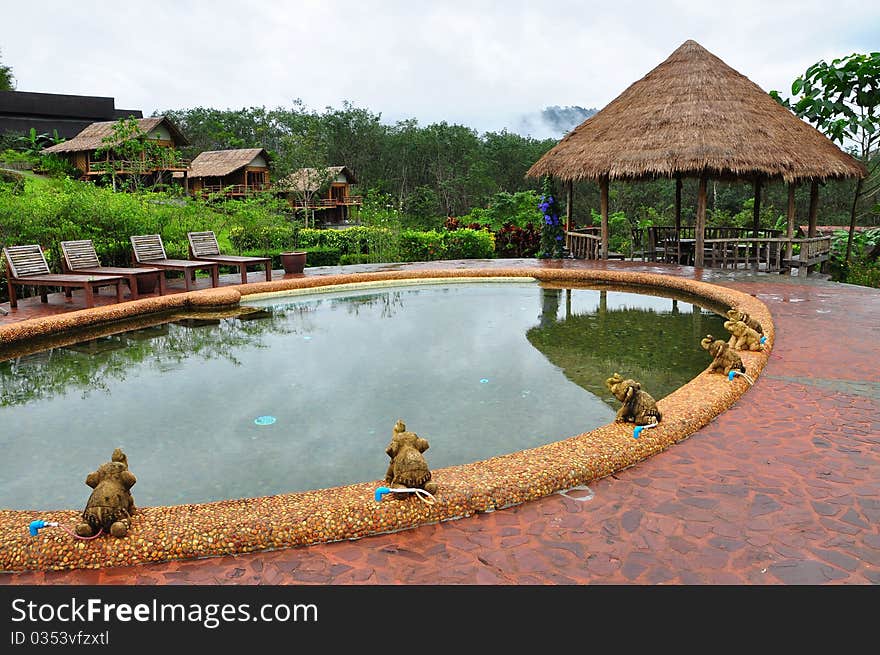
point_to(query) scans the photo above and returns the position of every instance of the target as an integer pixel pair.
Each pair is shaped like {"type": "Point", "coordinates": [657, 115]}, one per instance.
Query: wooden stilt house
{"type": "Point", "coordinates": [232, 173]}
{"type": "Point", "coordinates": [324, 191]}
{"type": "Point", "coordinates": [82, 151]}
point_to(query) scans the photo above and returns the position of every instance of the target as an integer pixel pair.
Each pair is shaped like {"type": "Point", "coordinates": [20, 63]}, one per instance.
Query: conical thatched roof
{"type": "Point", "coordinates": [692, 114]}
{"type": "Point", "coordinates": [218, 163]}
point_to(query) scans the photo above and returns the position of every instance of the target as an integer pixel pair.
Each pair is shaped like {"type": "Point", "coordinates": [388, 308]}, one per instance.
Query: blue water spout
{"type": "Point", "coordinates": [36, 526]}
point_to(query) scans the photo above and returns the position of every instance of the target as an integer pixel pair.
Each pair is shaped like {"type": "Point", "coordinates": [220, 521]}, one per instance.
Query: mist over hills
{"type": "Point", "coordinates": [552, 122]}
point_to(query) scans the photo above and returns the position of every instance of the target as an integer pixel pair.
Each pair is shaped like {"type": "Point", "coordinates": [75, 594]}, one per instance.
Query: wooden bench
{"type": "Point", "coordinates": [203, 245]}
{"type": "Point", "coordinates": [27, 266]}
{"type": "Point", "coordinates": [148, 249]}
{"type": "Point", "coordinates": [814, 251]}
{"type": "Point", "coordinates": [80, 258]}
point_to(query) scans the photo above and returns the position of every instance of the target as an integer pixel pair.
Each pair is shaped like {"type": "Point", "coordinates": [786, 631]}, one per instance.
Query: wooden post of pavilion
{"type": "Point", "coordinates": [756, 215]}
{"type": "Point", "coordinates": [569, 196]}
{"type": "Point", "coordinates": [814, 208]}
{"type": "Point", "coordinates": [603, 206]}
{"type": "Point", "coordinates": [677, 203]}
{"type": "Point", "coordinates": [814, 212]}
{"type": "Point", "coordinates": [700, 226]}
{"type": "Point", "coordinates": [789, 231]}
{"type": "Point", "coordinates": [677, 219]}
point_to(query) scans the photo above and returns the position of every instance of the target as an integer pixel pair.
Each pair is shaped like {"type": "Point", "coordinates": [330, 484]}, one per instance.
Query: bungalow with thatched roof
{"type": "Point", "coordinates": [230, 172]}
{"type": "Point", "coordinates": [695, 116]}
{"type": "Point", "coordinates": [81, 150]}
{"type": "Point", "coordinates": [321, 189]}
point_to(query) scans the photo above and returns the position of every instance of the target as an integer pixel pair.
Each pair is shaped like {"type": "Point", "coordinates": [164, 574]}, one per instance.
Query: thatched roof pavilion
{"type": "Point", "coordinates": [695, 116]}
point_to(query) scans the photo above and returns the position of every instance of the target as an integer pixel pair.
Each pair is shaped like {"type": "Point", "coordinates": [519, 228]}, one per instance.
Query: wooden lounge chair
{"type": "Point", "coordinates": [203, 245]}
{"type": "Point", "coordinates": [27, 266]}
{"type": "Point", "coordinates": [148, 250]}
{"type": "Point", "coordinates": [80, 258]}
{"type": "Point", "coordinates": [641, 245]}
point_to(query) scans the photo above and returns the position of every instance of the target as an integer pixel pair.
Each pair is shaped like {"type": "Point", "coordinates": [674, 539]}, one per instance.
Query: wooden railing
{"type": "Point", "coordinates": [764, 254]}
{"type": "Point", "coordinates": [121, 166]}
{"type": "Point", "coordinates": [767, 253]}
{"type": "Point", "coordinates": [584, 243]}
{"type": "Point", "coordinates": [234, 189]}
{"type": "Point", "coordinates": [319, 203]}
{"type": "Point", "coordinates": [813, 251]}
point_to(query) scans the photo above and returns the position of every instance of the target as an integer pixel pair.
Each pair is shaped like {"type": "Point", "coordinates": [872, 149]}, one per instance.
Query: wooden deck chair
{"type": "Point", "coordinates": [27, 266]}
{"type": "Point", "coordinates": [203, 245]}
{"type": "Point", "coordinates": [148, 250]}
{"type": "Point", "coordinates": [80, 258]}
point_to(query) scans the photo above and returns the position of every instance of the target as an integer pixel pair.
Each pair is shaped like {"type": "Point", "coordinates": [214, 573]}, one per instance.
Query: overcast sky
{"type": "Point", "coordinates": [487, 65]}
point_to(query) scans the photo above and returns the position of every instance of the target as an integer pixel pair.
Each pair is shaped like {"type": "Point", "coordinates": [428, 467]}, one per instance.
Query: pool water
{"type": "Point", "coordinates": [303, 393]}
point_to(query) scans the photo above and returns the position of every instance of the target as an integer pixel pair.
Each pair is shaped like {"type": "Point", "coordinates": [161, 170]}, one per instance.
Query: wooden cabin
{"type": "Point", "coordinates": [326, 191]}
{"type": "Point", "coordinates": [81, 150]}
{"type": "Point", "coordinates": [233, 173]}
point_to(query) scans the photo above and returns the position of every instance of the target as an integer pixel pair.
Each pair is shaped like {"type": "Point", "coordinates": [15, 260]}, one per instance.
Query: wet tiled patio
{"type": "Point", "coordinates": [783, 488]}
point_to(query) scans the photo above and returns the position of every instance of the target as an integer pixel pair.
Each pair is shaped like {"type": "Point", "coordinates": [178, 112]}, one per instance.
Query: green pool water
{"type": "Point", "coordinates": [303, 392]}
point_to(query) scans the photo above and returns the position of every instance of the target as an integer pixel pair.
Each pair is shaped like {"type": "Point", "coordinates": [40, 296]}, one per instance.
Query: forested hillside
{"type": "Point", "coordinates": [434, 171]}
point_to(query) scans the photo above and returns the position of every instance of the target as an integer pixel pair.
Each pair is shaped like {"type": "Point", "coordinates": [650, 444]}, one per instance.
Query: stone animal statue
{"type": "Point", "coordinates": [735, 314]}
{"type": "Point", "coordinates": [111, 505]}
{"type": "Point", "coordinates": [638, 407]}
{"type": "Point", "coordinates": [742, 336]}
{"type": "Point", "coordinates": [408, 467]}
{"type": "Point", "coordinates": [725, 358]}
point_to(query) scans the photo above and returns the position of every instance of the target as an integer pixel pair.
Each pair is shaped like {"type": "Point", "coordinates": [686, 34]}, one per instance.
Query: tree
{"type": "Point", "coordinates": [127, 151]}
{"type": "Point", "coordinates": [301, 164]}
{"type": "Point", "coordinates": [6, 78]}
{"type": "Point", "coordinates": [842, 99]}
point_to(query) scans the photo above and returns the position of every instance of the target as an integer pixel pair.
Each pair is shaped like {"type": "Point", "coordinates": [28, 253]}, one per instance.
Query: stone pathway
{"type": "Point", "coordinates": [782, 489]}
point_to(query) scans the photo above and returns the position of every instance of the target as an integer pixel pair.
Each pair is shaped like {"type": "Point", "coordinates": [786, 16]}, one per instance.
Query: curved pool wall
{"type": "Point", "coordinates": [351, 512]}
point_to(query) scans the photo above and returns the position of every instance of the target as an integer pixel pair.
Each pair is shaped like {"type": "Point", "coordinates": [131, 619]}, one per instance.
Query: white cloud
{"type": "Point", "coordinates": [480, 63]}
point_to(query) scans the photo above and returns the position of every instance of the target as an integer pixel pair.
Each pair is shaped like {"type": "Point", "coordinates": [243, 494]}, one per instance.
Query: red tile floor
{"type": "Point", "coordinates": [781, 489]}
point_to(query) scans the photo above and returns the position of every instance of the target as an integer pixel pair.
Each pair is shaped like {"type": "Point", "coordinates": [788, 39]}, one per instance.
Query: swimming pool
{"type": "Point", "coordinates": [477, 369]}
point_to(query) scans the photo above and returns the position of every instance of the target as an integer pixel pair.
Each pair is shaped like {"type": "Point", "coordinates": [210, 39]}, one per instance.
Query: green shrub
{"type": "Point", "coordinates": [11, 182]}
{"type": "Point", "coordinates": [55, 166]}
{"type": "Point", "coordinates": [265, 239]}
{"type": "Point", "coordinates": [49, 211]}
{"type": "Point", "coordinates": [322, 256]}
{"type": "Point", "coordinates": [520, 209]}
{"type": "Point", "coordinates": [619, 231]}
{"type": "Point", "coordinates": [13, 157]}
{"type": "Point", "coordinates": [352, 240]}
{"type": "Point", "coordinates": [421, 246]}
{"type": "Point", "coordinates": [345, 260]}
{"type": "Point", "coordinates": [469, 244]}
{"type": "Point", "coordinates": [866, 274]}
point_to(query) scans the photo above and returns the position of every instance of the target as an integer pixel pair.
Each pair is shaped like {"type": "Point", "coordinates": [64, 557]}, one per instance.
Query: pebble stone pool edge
{"type": "Point", "coordinates": [351, 512]}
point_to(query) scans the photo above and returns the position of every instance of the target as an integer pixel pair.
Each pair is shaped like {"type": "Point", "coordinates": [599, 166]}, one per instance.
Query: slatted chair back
{"type": "Point", "coordinates": [24, 261]}
{"type": "Point", "coordinates": [80, 254]}
{"type": "Point", "coordinates": [203, 244]}
{"type": "Point", "coordinates": [148, 247]}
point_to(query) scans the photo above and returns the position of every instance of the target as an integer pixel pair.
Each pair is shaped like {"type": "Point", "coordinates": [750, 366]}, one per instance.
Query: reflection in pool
{"type": "Point", "coordinates": [477, 369]}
